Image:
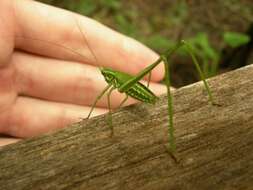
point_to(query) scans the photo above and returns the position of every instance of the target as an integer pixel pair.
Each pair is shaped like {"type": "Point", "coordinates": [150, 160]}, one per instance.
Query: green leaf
{"type": "Point", "coordinates": [111, 4]}
{"type": "Point", "coordinates": [208, 55]}
{"type": "Point", "coordinates": [159, 42]}
{"type": "Point", "coordinates": [124, 25]}
{"type": "Point", "coordinates": [87, 7]}
{"type": "Point", "coordinates": [235, 39]}
{"type": "Point", "coordinates": [203, 48]}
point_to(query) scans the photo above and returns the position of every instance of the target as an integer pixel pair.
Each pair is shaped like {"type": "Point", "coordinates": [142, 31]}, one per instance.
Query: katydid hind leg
{"type": "Point", "coordinates": [170, 106]}
{"type": "Point", "coordinates": [201, 73]}
{"type": "Point", "coordinates": [128, 84]}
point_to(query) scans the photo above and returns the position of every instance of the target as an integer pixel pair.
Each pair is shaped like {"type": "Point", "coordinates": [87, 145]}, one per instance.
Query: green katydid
{"type": "Point", "coordinates": [131, 86]}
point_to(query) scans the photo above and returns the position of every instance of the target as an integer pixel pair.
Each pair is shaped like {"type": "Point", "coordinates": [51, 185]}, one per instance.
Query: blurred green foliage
{"type": "Point", "coordinates": [125, 20]}
{"type": "Point", "coordinates": [209, 56]}
{"type": "Point", "coordinates": [235, 39]}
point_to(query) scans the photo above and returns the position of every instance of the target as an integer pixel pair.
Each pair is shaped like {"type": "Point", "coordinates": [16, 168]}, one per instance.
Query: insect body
{"type": "Point", "coordinates": [130, 85]}
{"type": "Point", "coordinates": [137, 90]}
{"type": "Point", "coordinates": [116, 80]}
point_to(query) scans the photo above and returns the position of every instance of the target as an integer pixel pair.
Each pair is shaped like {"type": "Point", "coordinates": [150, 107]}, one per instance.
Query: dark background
{"type": "Point", "coordinates": [209, 26]}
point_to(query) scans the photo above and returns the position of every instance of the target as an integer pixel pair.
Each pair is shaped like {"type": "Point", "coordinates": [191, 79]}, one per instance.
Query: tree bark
{"type": "Point", "coordinates": [214, 145]}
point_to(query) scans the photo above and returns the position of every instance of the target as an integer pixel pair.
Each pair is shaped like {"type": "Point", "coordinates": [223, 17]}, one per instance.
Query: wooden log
{"type": "Point", "coordinates": [214, 145]}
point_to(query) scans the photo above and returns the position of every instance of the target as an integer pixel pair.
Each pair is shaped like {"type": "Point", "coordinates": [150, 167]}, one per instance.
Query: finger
{"type": "Point", "coordinates": [8, 92]}
{"type": "Point", "coordinates": [60, 81]}
{"type": "Point", "coordinates": [6, 32]}
{"type": "Point", "coordinates": [8, 140]}
{"type": "Point", "coordinates": [63, 81]}
{"type": "Point", "coordinates": [37, 21]}
{"type": "Point", "coordinates": [30, 117]}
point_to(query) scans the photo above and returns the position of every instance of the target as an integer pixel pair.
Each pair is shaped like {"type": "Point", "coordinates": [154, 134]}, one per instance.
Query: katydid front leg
{"type": "Point", "coordinates": [97, 98]}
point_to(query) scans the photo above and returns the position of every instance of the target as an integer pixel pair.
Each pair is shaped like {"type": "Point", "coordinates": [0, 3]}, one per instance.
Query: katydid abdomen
{"type": "Point", "coordinates": [137, 91]}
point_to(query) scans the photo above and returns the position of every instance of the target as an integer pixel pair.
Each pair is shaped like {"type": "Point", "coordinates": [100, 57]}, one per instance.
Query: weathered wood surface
{"type": "Point", "coordinates": [214, 144]}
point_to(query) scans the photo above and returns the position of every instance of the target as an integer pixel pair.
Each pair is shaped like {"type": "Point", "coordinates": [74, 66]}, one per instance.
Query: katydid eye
{"type": "Point", "coordinates": [109, 77]}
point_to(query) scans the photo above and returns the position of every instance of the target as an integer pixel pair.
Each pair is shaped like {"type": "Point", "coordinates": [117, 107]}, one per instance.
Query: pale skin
{"type": "Point", "coordinates": [44, 84]}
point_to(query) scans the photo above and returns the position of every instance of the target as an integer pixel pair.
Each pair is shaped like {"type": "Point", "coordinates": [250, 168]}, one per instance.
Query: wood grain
{"type": "Point", "coordinates": [214, 145]}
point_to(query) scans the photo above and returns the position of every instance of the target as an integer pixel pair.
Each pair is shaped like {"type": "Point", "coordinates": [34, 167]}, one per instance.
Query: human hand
{"type": "Point", "coordinates": [45, 82]}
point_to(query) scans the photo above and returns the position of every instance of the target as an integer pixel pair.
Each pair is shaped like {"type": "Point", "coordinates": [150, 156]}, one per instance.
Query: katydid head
{"type": "Point", "coordinates": [108, 74]}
